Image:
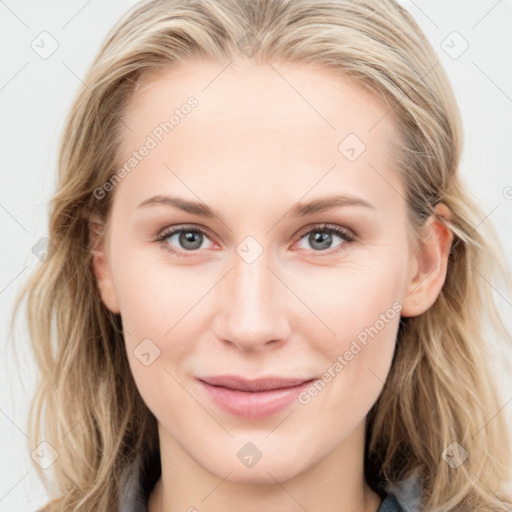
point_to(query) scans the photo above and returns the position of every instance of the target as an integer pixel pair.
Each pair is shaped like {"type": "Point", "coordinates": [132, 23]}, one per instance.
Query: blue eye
{"type": "Point", "coordinates": [190, 239]}
{"type": "Point", "coordinates": [320, 238]}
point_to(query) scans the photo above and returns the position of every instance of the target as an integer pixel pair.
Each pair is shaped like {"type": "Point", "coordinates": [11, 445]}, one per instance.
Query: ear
{"type": "Point", "coordinates": [430, 263]}
{"type": "Point", "coordinates": [100, 263]}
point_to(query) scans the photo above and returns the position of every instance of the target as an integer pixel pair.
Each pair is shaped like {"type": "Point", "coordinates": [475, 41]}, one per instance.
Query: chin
{"type": "Point", "coordinates": [266, 470]}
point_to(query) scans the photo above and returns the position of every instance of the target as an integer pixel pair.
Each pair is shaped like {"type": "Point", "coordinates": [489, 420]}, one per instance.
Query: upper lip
{"type": "Point", "coordinates": [261, 384]}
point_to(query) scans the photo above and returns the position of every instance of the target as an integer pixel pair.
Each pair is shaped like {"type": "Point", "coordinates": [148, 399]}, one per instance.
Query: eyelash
{"type": "Point", "coordinates": [347, 235]}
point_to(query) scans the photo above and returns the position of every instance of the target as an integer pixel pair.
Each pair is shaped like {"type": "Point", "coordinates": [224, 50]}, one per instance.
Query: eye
{"type": "Point", "coordinates": [181, 240]}
{"type": "Point", "coordinates": [320, 238]}
{"type": "Point", "coordinates": [186, 238]}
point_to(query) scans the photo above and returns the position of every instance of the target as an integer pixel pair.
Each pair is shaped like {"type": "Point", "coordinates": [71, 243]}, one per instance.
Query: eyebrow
{"type": "Point", "coordinates": [299, 210]}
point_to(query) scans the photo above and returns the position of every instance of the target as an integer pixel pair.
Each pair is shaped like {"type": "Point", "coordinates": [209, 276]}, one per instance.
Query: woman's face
{"type": "Point", "coordinates": [254, 286]}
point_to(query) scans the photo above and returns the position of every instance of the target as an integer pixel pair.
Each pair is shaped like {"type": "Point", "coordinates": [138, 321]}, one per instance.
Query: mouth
{"type": "Point", "coordinates": [253, 399]}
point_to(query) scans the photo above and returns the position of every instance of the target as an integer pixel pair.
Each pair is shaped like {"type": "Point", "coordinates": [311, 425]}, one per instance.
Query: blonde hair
{"type": "Point", "coordinates": [440, 389]}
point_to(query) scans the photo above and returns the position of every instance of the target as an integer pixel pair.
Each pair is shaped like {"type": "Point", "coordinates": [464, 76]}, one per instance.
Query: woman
{"type": "Point", "coordinates": [263, 278]}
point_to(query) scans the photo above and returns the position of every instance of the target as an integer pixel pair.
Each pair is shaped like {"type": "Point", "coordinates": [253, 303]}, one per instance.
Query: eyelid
{"type": "Point", "coordinates": [170, 230]}
{"type": "Point", "coordinates": [324, 226]}
{"type": "Point", "coordinates": [345, 233]}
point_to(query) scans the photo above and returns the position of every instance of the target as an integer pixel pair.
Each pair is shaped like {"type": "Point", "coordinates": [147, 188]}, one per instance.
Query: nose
{"type": "Point", "coordinates": [253, 306]}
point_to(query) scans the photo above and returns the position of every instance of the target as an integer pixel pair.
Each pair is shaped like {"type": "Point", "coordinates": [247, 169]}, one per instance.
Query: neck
{"type": "Point", "coordinates": [332, 484]}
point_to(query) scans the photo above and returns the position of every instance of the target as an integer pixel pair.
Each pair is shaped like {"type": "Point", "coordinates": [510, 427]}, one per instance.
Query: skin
{"type": "Point", "coordinates": [252, 148]}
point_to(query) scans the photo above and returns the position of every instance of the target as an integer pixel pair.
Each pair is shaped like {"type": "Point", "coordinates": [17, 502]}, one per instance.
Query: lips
{"type": "Point", "coordinates": [252, 399]}
{"type": "Point", "coordinates": [263, 384]}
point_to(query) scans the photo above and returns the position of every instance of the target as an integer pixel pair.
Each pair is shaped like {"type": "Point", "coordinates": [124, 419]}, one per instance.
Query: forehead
{"type": "Point", "coordinates": [255, 128]}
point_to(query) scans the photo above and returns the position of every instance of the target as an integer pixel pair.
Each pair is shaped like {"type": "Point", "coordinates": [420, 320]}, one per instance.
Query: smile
{"type": "Point", "coordinates": [267, 396]}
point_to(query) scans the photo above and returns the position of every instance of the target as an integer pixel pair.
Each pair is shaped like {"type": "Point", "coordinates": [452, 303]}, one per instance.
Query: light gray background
{"type": "Point", "coordinates": [35, 94]}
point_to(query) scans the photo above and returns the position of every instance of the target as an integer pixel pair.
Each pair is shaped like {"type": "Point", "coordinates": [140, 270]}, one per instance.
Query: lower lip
{"type": "Point", "coordinates": [253, 405]}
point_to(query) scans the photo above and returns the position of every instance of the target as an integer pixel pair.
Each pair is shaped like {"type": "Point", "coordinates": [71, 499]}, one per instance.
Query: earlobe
{"type": "Point", "coordinates": [431, 263]}
{"type": "Point", "coordinates": [100, 264]}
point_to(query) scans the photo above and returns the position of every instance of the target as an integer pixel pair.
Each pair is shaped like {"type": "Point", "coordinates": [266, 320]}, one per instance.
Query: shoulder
{"type": "Point", "coordinates": [390, 504]}
{"type": "Point", "coordinates": [137, 482]}
{"type": "Point", "coordinates": [403, 497]}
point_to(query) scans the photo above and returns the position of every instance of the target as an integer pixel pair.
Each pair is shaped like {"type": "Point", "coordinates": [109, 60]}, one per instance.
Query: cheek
{"type": "Point", "coordinates": [154, 296]}
{"type": "Point", "coordinates": [356, 361]}
{"type": "Point", "coordinates": [156, 306]}
{"type": "Point", "coordinates": [362, 306]}
{"type": "Point", "coordinates": [160, 308]}
{"type": "Point", "coordinates": [351, 299]}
